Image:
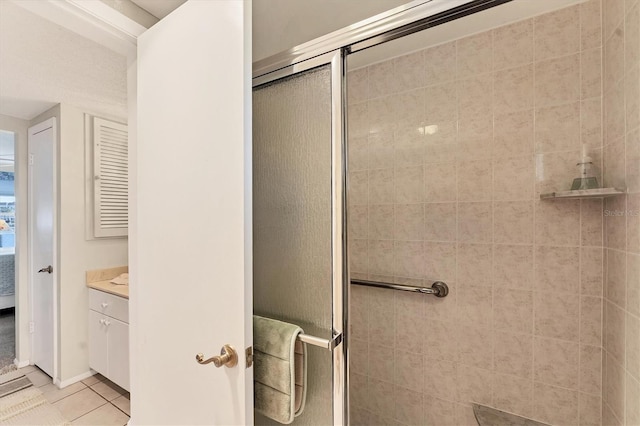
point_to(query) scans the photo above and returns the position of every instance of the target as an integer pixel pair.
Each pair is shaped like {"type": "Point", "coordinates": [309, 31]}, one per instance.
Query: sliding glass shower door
{"type": "Point", "coordinates": [298, 216]}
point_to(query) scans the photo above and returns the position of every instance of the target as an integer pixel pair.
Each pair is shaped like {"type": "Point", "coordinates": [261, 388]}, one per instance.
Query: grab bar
{"type": "Point", "coordinates": [319, 341]}
{"type": "Point", "coordinates": [438, 288]}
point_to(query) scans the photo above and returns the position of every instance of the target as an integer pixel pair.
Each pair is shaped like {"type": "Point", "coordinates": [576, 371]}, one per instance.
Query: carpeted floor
{"type": "Point", "coordinates": [7, 336]}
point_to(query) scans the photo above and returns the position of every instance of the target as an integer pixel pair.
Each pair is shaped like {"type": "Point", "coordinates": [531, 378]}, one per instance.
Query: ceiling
{"type": "Point", "coordinates": [43, 64]}
{"type": "Point", "coordinates": [159, 8]}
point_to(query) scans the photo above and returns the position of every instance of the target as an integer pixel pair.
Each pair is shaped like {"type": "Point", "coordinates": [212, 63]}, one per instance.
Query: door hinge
{"type": "Point", "coordinates": [249, 356]}
{"type": "Point", "coordinates": [31, 159]}
{"type": "Point", "coordinates": [32, 327]}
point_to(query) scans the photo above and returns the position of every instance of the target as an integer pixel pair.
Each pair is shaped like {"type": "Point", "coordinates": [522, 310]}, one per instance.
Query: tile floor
{"type": "Point", "coordinates": [93, 401]}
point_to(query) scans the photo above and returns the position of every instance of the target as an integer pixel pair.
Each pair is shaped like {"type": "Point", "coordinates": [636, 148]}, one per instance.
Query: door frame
{"type": "Point", "coordinates": [44, 125]}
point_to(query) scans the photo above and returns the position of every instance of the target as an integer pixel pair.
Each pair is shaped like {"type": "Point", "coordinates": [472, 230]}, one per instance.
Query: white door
{"type": "Point", "coordinates": [41, 241]}
{"type": "Point", "coordinates": [190, 217]}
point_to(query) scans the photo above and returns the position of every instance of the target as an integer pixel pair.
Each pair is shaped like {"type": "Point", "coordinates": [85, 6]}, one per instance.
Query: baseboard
{"type": "Point", "coordinates": [64, 383]}
{"type": "Point", "coordinates": [21, 364]}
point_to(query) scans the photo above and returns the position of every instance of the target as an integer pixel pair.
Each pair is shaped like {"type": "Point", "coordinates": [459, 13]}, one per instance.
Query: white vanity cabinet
{"type": "Point", "coordinates": [109, 336]}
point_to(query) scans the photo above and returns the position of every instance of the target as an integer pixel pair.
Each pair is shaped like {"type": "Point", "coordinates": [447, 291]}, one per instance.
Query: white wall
{"type": "Point", "coordinates": [76, 254]}
{"type": "Point", "coordinates": [20, 127]}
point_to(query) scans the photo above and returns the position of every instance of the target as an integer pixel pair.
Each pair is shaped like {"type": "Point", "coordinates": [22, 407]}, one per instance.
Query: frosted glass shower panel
{"type": "Point", "coordinates": [292, 219]}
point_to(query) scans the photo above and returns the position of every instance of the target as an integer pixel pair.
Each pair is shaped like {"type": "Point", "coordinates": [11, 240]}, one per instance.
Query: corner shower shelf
{"type": "Point", "coordinates": [583, 193]}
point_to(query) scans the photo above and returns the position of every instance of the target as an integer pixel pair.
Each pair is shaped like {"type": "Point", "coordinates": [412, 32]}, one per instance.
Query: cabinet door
{"type": "Point", "coordinates": [98, 343]}
{"type": "Point", "coordinates": [118, 352]}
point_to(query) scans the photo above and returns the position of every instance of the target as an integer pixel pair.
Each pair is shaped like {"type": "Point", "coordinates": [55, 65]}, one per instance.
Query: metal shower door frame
{"type": "Point", "coordinates": [339, 264]}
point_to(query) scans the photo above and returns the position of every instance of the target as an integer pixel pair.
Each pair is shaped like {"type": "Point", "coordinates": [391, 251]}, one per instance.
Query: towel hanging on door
{"type": "Point", "coordinates": [280, 369]}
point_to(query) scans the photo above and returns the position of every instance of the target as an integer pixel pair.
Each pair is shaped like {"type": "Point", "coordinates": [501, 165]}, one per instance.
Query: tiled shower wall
{"type": "Point", "coordinates": [621, 367]}
{"type": "Point", "coordinates": [449, 149]}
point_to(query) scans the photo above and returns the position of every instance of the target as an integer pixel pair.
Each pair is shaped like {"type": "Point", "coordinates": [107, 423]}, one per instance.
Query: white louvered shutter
{"type": "Point", "coordinates": [111, 178]}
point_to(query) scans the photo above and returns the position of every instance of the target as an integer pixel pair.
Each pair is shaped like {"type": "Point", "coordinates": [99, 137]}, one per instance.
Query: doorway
{"type": "Point", "coordinates": [7, 250]}
{"type": "Point", "coordinates": [42, 256]}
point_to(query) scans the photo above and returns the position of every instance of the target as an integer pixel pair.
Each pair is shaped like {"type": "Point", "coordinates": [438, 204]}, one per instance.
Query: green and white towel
{"type": "Point", "coordinates": [280, 369]}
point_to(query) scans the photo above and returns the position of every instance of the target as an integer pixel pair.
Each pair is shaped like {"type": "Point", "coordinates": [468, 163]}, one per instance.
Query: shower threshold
{"type": "Point", "coordinates": [487, 416]}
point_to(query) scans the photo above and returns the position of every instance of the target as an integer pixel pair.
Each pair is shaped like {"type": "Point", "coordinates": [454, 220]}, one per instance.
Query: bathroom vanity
{"type": "Point", "coordinates": [109, 326]}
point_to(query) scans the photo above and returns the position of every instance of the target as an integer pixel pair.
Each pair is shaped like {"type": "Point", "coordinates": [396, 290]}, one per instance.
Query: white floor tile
{"type": "Point", "coordinates": [106, 415]}
{"type": "Point", "coordinates": [53, 394]}
{"type": "Point", "coordinates": [108, 390]}
{"type": "Point", "coordinates": [123, 403]}
{"type": "Point", "coordinates": [79, 404]}
{"type": "Point", "coordinates": [38, 378]}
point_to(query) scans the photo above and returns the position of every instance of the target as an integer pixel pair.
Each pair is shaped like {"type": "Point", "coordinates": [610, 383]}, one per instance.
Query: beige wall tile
{"type": "Point", "coordinates": [358, 154]}
{"type": "Point", "coordinates": [440, 182]}
{"type": "Point", "coordinates": [513, 354]}
{"type": "Point", "coordinates": [359, 255]}
{"type": "Point", "coordinates": [443, 309]}
{"type": "Point", "coordinates": [591, 122]}
{"type": "Point", "coordinates": [614, 387]}
{"type": "Point", "coordinates": [614, 331]}
{"type": "Point", "coordinates": [556, 316]}
{"type": "Point", "coordinates": [475, 54]}
{"type": "Point", "coordinates": [473, 349]}
{"type": "Point", "coordinates": [381, 257]}
{"type": "Point", "coordinates": [513, 44]}
{"type": "Point", "coordinates": [591, 369]}
{"type": "Point", "coordinates": [475, 96]}
{"type": "Point", "coordinates": [612, 16]}
{"type": "Point", "coordinates": [590, 406]}
{"type": "Point", "coordinates": [633, 161]}
{"type": "Point", "coordinates": [615, 284]}
{"type": "Point", "coordinates": [632, 343]}
{"type": "Point", "coordinates": [558, 128]}
{"type": "Point", "coordinates": [381, 362]}
{"type": "Point", "coordinates": [408, 109]}
{"type": "Point", "coordinates": [409, 406]}
{"type": "Point", "coordinates": [359, 222]}
{"type": "Point", "coordinates": [474, 264]}
{"type": "Point", "coordinates": [633, 223]}
{"type": "Point", "coordinates": [440, 379]}
{"type": "Point", "coordinates": [632, 414]}
{"type": "Point", "coordinates": [381, 219]}
{"type": "Point", "coordinates": [474, 308]}
{"type": "Point", "coordinates": [409, 185]}
{"type": "Point", "coordinates": [514, 134]}
{"type": "Point", "coordinates": [441, 102]}
{"type": "Point", "coordinates": [513, 394]}
{"type": "Point", "coordinates": [381, 115]}
{"type": "Point", "coordinates": [557, 81]}
{"type": "Point", "coordinates": [557, 223]}
{"type": "Point", "coordinates": [590, 24]}
{"type": "Point", "coordinates": [358, 188]}
{"type": "Point", "coordinates": [440, 63]}
{"type": "Point", "coordinates": [513, 311]}
{"type": "Point", "coordinates": [440, 222]}
{"type": "Point", "coordinates": [632, 97]}
{"type": "Point", "coordinates": [614, 59]}
{"type": "Point", "coordinates": [591, 73]}
{"type": "Point", "coordinates": [513, 222]}
{"type": "Point", "coordinates": [591, 220]}
{"type": "Point", "coordinates": [358, 119]}
{"type": "Point", "coordinates": [381, 150]}
{"type": "Point", "coordinates": [381, 186]}
{"type": "Point", "coordinates": [378, 397]}
{"type": "Point", "coordinates": [409, 372]}
{"type": "Point", "coordinates": [474, 180]}
{"type": "Point", "coordinates": [474, 222]}
{"type": "Point", "coordinates": [359, 356]}
{"type": "Point", "coordinates": [409, 71]}
{"type": "Point", "coordinates": [513, 266]}
{"type": "Point", "coordinates": [358, 86]}
{"type": "Point", "coordinates": [615, 223]}
{"type": "Point", "coordinates": [408, 259]}
{"type": "Point", "coordinates": [513, 89]}
{"type": "Point", "coordinates": [591, 271]}
{"type": "Point", "coordinates": [556, 362]}
{"type": "Point", "coordinates": [633, 283]}
{"type": "Point", "coordinates": [475, 138]}
{"type": "Point", "coordinates": [614, 114]}
{"type": "Point", "coordinates": [591, 321]}
{"type": "Point", "coordinates": [557, 33]}
{"type": "Point", "coordinates": [440, 412]}
{"type": "Point", "coordinates": [382, 79]}
{"type": "Point", "coordinates": [512, 178]}
{"type": "Point", "coordinates": [474, 385]}
{"type": "Point", "coordinates": [558, 269]}
{"type": "Point", "coordinates": [439, 261]}
{"type": "Point", "coordinates": [555, 405]}
{"type": "Point", "coordinates": [440, 341]}
{"type": "Point", "coordinates": [632, 36]}
{"type": "Point", "coordinates": [409, 222]}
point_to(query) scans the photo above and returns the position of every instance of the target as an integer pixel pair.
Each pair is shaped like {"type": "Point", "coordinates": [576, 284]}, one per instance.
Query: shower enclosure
{"type": "Point", "coordinates": [435, 128]}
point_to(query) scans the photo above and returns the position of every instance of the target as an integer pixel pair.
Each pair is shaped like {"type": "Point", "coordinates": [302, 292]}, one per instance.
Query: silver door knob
{"type": "Point", "coordinates": [48, 269]}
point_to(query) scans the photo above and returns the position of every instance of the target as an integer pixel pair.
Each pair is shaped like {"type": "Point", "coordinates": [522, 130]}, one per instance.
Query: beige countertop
{"type": "Point", "coordinates": [100, 280]}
